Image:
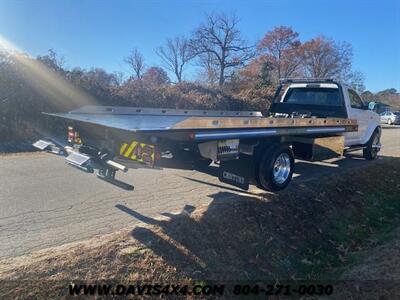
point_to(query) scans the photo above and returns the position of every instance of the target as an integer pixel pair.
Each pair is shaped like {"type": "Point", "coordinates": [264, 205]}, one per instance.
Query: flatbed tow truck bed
{"type": "Point", "coordinates": [312, 120]}
{"type": "Point", "coordinates": [200, 125]}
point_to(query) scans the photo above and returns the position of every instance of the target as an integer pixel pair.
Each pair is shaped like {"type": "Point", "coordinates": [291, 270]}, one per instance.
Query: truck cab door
{"type": "Point", "coordinates": [357, 110]}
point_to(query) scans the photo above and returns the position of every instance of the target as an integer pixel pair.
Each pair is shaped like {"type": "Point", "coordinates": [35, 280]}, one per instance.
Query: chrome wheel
{"type": "Point", "coordinates": [376, 146]}
{"type": "Point", "coordinates": [373, 146]}
{"type": "Point", "coordinates": [282, 168]}
{"type": "Point", "coordinates": [275, 167]}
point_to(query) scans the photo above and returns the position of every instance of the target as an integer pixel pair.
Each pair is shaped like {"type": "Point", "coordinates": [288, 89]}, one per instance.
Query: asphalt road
{"type": "Point", "coordinates": [47, 203]}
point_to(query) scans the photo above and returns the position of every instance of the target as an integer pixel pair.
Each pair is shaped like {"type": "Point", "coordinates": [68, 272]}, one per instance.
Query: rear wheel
{"type": "Point", "coordinates": [275, 168]}
{"type": "Point", "coordinates": [370, 152]}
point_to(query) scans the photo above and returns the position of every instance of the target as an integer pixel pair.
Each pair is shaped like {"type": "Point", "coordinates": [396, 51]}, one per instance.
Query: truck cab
{"type": "Point", "coordinates": [368, 121]}
{"type": "Point", "coordinates": [327, 99]}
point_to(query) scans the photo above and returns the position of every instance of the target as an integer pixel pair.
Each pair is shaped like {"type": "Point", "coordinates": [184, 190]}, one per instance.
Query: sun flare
{"type": "Point", "coordinates": [62, 94]}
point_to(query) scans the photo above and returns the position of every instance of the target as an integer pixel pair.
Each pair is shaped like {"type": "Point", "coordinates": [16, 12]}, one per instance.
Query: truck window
{"type": "Point", "coordinates": [313, 96]}
{"type": "Point", "coordinates": [355, 100]}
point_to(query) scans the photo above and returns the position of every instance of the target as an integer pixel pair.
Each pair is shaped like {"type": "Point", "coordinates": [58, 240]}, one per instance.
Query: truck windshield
{"type": "Point", "coordinates": [313, 96]}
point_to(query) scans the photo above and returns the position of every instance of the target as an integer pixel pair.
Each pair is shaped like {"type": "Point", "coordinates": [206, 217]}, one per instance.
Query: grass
{"type": "Point", "coordinates": [351, 232]}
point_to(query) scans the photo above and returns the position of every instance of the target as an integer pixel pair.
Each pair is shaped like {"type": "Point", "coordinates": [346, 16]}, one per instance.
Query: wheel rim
{"type": "Point", "coordinates": [282, 168]}
{"type": "Point", "coordinates": [375, 145]}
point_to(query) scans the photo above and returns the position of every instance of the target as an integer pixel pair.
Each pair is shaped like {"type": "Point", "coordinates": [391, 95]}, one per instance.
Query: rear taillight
{"type": "Point", "coordinates": [71, 134]}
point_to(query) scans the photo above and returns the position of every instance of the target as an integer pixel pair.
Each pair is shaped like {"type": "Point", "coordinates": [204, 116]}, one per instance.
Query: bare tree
{"type": "Point", "coordinates": [323, 57]}
{"type": "Point", "coordinates": [155, 76]}
{"type": "Point", "coordinates": [209, 68]}
{"type": "Point", "coordinates": [219, 38]}
{"type": "Point", "coordinates": [355, 79]}
{"type": "Point", "coordinates": [281, 49]}
{"type": "Point", "coordinates": [119, 78]}
{"type": "Point", "coordinates": [175, 54]}
{"type": "Point", "coordinates": [52, 60]}
{"type": "Point", "coordinates": [136, 62]}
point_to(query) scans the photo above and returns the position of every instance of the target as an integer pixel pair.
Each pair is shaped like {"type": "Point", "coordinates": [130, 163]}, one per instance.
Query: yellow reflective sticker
{"type": "Point", "coordinates": [122, 149]}
{"type": "Point", "coordinates": [140, 152]}
{"type": "Point", "coordinates": [131, 147]}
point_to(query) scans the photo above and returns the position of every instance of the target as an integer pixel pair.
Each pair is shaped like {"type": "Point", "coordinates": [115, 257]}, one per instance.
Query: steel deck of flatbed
{"type": "Point", "coordinates": [149, 119]}
{"type": "Point", "coordinates": [204, 124]}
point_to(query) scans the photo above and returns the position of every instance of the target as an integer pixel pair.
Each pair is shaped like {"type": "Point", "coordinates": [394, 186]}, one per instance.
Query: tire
{"type": "Point", "coordinates": [275, 168]}
{"type": "Point", "coordinates": [370, 152]}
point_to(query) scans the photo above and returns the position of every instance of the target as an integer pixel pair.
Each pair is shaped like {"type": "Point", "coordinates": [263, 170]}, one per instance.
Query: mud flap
{"type": "Point", "coordinates": [236, 172]}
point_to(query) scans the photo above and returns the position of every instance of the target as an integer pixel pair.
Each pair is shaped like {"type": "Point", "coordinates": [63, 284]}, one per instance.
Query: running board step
{"type": "Point", "coordinates": [354, 149]}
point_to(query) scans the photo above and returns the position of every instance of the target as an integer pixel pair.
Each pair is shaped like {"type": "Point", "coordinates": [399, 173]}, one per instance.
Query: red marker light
{"type": "Point", "coordinates": [71, 134]}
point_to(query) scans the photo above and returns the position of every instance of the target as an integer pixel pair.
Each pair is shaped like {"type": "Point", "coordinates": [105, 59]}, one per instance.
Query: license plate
{"type": "Point", "coordinates": [137, 151]}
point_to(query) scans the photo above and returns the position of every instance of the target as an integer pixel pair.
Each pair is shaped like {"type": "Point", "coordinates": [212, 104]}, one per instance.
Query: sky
{"type": "Point", "coordinates": [90, 33]}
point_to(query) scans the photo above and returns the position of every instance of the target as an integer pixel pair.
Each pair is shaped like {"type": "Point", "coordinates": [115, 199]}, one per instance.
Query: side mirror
{"type": "Point", "coordinates": [371, 105]}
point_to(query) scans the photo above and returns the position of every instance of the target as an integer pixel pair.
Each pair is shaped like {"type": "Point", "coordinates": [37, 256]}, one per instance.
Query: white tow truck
{"type": "Point", "coordinates": [311, 119]}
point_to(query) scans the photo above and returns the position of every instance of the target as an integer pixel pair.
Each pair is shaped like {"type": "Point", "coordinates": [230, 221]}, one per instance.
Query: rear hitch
{"type": "Point", "coordinates": [88, 161]}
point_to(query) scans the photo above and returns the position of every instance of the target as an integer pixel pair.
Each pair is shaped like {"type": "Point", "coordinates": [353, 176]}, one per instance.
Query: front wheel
{"type": "Point", "coordinates": [275, 168]}
{"type": "Point", "coordinates": [370, 152]}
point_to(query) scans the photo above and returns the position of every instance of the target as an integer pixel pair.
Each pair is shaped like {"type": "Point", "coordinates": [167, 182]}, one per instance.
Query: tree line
{"type": "Point", "coordinates": [218, 47]}
{"type": "Point", "coordinates": [225, 71]}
